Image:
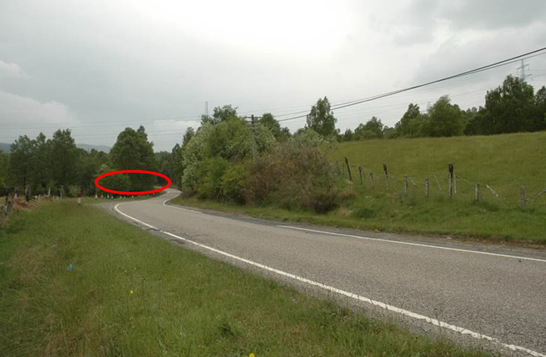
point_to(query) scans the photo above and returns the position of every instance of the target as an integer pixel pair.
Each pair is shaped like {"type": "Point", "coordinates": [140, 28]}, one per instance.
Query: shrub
{"type": "Point", "coordinates": [211, 172]}
{"type": "Point", "coordinates": [293, 177]}
{"type": "Point", "coordinates": [234, 182]}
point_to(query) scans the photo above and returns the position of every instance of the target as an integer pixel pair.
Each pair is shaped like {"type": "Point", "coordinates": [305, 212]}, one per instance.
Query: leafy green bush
{"type": "Point", "coordinates": [210, 173]}
{"type": "Point", "coordinates": [234, 183]}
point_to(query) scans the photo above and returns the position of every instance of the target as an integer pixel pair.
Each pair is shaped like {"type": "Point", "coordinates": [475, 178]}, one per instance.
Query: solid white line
{"type": "Point", "coordinates": [414, 244]}
{"type": "Point", "coordinates": [180, 208]}
{"type": "Point", "coordinates": [387, 307]}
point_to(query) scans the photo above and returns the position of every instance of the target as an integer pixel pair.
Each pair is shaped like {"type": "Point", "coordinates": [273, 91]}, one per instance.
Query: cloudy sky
{"type": "Point", "coordinates": [97, 67]}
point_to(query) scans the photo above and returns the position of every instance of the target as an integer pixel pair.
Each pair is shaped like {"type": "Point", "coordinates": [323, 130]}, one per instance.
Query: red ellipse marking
{"type": "Point", "coordinates": [132, 172]}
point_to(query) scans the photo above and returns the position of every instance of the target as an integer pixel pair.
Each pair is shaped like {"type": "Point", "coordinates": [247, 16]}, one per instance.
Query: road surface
{"type": "Point", "coordinates": [487, 293]}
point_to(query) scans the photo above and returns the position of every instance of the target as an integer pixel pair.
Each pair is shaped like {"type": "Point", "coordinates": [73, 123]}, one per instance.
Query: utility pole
{"type": "Point", "coordinates": [522, 75]}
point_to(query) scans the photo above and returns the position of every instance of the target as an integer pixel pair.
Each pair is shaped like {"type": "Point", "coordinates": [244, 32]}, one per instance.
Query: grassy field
{"type": "Point", "coordinates": [504, 162]}
{"type": "Point", "coordinates": [130, 293]}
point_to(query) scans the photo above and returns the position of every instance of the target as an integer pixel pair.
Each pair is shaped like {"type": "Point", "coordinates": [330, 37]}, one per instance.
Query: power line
{"type": "Point", "coordinates": [462, 74]}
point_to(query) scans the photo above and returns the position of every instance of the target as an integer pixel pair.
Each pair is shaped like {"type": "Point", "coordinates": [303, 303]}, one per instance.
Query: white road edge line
{"type": "Point", "coordinates": [387, 307]}
{"type": "Point", "coordinates": [180, 208]}
{"type": "Point", "coordinates": [414, 244]}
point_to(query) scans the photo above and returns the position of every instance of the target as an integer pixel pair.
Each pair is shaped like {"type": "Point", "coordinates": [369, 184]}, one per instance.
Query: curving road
{"type": "Point", "coordinates": [487, 293]}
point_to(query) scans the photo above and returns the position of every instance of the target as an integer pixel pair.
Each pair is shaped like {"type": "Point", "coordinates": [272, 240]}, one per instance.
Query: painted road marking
{"type": "Point", "coordinates": [387, 307]}
{"type": "Point", "coordinates": [414, 244]}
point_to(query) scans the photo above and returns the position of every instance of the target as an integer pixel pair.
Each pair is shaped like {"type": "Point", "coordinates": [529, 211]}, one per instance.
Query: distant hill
{"type": "Point", "coordinates": [90, 147]}
{"type": "Point", "coordinates": [5, 147]}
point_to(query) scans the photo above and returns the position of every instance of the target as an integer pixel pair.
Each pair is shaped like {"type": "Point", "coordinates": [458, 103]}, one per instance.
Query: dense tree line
{"type": "Point", "coordinates": [511, 108]}
{"type": "Point", "coordinates": [225, 156]}
{"type": "Point", "coordinates": [58, 166]}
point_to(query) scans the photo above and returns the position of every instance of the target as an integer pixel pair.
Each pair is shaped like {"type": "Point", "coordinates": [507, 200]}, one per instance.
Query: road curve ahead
{"type": "Point", "coordinates": [483, 293]}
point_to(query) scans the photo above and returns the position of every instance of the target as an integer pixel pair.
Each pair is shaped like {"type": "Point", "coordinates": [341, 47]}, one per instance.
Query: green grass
{"type": "Point", "coordinates": [504, 162]}
{"type": "Point", "coordinates": [133, 294]}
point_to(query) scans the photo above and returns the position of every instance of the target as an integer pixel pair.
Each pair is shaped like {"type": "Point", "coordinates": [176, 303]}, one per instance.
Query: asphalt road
{"type": "Point", "coordinates": [488, 293]}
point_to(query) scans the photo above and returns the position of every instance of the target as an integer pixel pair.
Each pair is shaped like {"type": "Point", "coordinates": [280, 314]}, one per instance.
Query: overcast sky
{"type": "Point", "coordinates": [99, 66]}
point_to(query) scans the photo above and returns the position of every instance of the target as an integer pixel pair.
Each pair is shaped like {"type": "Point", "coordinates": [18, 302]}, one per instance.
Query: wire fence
{"type": "Point", "coordinates": [448, 183]}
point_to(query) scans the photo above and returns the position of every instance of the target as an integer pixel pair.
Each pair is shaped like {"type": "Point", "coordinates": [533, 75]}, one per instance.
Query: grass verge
{"type": "Point", "coordinates": [131, 293]}
{"type": "Point", "coordinates": [402, 214]}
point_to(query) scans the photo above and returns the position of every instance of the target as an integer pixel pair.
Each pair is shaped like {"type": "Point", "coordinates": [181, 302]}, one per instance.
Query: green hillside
{"type": "Point", "coordinates": [504, 162]}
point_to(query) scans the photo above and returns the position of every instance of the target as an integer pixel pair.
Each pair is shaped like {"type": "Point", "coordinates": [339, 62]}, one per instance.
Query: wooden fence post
{"type": "Point", "coordinates": [361, 171]}
{"type": "Point", "coordinates": [450, 179]}
{"type": "Point", "coordinates": [386, 170]}
{"type": "Point", "coordinates": [478, 193]}
{"type": "Point", "coordinates": [406, 184]}
{"type": "Point", "coordinates": [348, 169]}
{"type": "Point", "coordinates": [427, 187]}
{"type": "Point", "coordinates": [522, 196]}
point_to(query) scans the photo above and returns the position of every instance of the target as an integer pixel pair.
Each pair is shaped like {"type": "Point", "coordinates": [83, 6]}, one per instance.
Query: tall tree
{"type": "Point", "coordinates": [410, 123]}
{"type": "Point", "coordinates": [132, 150]}
{"type": "Point", "coordinates": [41, 175]}
{"type": "Point", "coordinates": [511, 108]}
{"type": "Point", "coordinates": [187, 136]}
{"type": "Point", "coordinates": [444, 119]}
{"type": "Point", "coordinates": [3, 172]}
{"type": "Point", "coordinates": [321, 118]}
{"type": "Point", "coordinates": [20, 163]}
{"type": "Point", "coordinates": [269, 121]}
{"type": "Point", "coordinates": [64, 155]}
{"type": "Point", "coordinates": [220, 114]}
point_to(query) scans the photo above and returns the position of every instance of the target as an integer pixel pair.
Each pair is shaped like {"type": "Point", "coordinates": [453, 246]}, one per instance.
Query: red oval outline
{"type": "Point", "coordinates": [132, 172]}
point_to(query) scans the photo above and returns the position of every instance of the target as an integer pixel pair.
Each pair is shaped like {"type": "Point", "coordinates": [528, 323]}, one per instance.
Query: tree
{"type": "Point", "coordinates": [220, 114]}
{"type": "Point", "coordinates": [41, 174]}
{"type": "Point", "coordinates": [512, 108]}
{"type": "Point", "coordinates": [444, 119]}
{"type": "Point", "coordinates": [375, 126]}
{"type": "Point", "coordinates": [3, 173]}
{"type": "Point", "coordinates": [187, 136]}
{"type": "Point", "coordinates": [176, 164]}
{"type": "Point", "coordinates": [348, 135]}
{"type": "Point", "coordinates": [89, 164]}
{"type": "Point", "coordinates": [64, 156]}
{"type": "Point", "coordinates": [20, 163]}
{"type": "Point", "coordinates": [132, 150]}
{"type": "Point", "coordinates": [410, 124]}
{"type": "Point", "coordinates": [321, 119]}
{"type": "Point", "coordinates": [540, 103]}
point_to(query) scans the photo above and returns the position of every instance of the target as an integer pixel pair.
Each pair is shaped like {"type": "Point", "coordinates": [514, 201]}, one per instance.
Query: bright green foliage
{"type": "Point", "coordinates": [228, 141]}
{"type": "Point", "coordinates": [321, 119]}
{"type": "Point", "coordinates": [133, 151]}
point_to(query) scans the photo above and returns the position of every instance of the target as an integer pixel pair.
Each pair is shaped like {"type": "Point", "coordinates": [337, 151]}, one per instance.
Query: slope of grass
{"type": "Point", "coordinates": [133, 294]}
{"type": "Point", "coordinates": [503, 162]}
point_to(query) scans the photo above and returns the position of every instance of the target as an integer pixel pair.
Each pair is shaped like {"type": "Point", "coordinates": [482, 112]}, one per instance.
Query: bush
{"type": "Point", "coordinates": [211, 172]}
{"type": "Point", "coordinates": [293, 177]}
{"type": "Point", "coordinates": [234, 183]}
